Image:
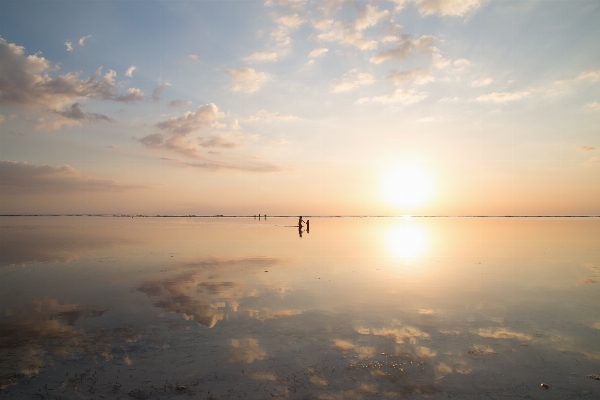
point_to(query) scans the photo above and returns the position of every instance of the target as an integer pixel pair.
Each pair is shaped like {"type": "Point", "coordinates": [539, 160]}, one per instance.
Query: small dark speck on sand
{"type": "Point", "coordinates": [545, 385]}
{"type": "Point", "coordinates": [266, 271]}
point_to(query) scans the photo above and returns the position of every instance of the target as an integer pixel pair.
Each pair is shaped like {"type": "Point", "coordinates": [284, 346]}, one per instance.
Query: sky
{"type": "Point", "coordinates": [292, 107]}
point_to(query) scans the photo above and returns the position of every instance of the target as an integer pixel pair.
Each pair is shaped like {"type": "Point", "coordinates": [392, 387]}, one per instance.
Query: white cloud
{"type": "Point", "coordinates": [69, 45]}
{"type": "Point", "coordinates": [406, 48]}
{"type": "Point", "coordinates": [502, 97]}
{"type": "Point", "coordinates": [401, 96]}
{"type": "Point", "coordinates": [351, 32]}
{"type": "Point", "coordinates": [461, 63]}
{"type": "Point", "coordinates": [352, 80]}
{"type": "Point", "coordinates": [592, 161]}
{"type": "Point", "coordinates": [594, 105]}
{"type": "Point", "coordinates": [584, 148]}
{"type": "Point", "coordinates": [293, 4]}
{"type": "Point", "coordinates": [293, 21]}
{"type": "Point", "coordinates": [446, 7]}
{"type": "Point", "coordinates": [318, 52]}
{"type": "Point", "coordinates": [482, 82]}
{"type": "Point", "coordinates": [130, 70]}
{"type": "Point", "coordinates": [262, 56]}
{"type": "Point", "coordinates": [449, 99]}
{"type": "Point", "coordinates": [202, 118]}
{"type": "Point", "coordinates": [246, 80]}
{"type": "Point", "coordinates": [83, 39]}
{"type": "Point", "coordinates": [25, 178]}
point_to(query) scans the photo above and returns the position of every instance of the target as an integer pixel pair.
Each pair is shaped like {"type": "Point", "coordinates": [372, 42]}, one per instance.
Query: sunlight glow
{"type": "Point", "coordinates": [406, 186]}
{"type": "Point", "coordinates": [407, 240]}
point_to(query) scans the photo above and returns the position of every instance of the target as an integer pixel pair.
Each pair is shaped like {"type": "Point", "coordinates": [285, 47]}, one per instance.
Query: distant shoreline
{"type": "Point", "coordinates": [295, 216]}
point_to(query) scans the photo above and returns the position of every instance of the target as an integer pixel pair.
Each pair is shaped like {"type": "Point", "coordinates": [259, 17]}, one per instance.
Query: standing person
{"type": "Point", "coordinates": [300, 221]}
{"type": "Point", "coordinates": [307, 225]}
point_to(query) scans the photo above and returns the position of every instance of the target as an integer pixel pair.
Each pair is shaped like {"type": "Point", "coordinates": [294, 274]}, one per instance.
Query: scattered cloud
{"type": "Point", "coordinates": [584, 147]}
{"type": "Point", "coordinates": [406, 48]}
{"type": "Point", "coordinates": [352, 80]}
{"type": "Point", "coordinates": [202, 118]}
{"type": "Point", "coordinates": [130, 70]}
{"type": "Point", "coordinates": [262, 57]}
{"type": "Point", "coordinates": [402, 96]}
{"type": "Point", "coordinates": [586, 281]}
{"type": "Point", "coordinates": [351, 32]}
{"type": "Point", "coordinates": [589, 75]}
{"type": "Point", "coordinates": [445, 99]}
{"type": "Point", "coordinates": [594, 105]}
{"type": "Point", "coordinates": [83, 39]}
{"type": "Point", "coordinates": [446, 7]}
{"type": "Point", "coordinates": [419, 75]}
{"type": "Point", "coordinates": [26, 82]}
{"type": "Point", "coordinates": [362, 352]}
{"type": "Point", "coordinates": [482, 82]}
{"type": "Point", "coordinates": [318, 52]}
{"type": "Point", "coordinates": [158, 91]}
{"type": "Point", "coordinates": [502, 97]}
{"type": "Point", "coordinates": [74, 112]}
{"type": "Point", "coordinates": [246, 80]}
{"type": "Point", "coordinates": [24, 178]}
{"type": "Point", "coordinates": [180, 103]}
{"type": "Point", "coordinates": [133, 95]}
{"type": "Point", "coordinates": [592, 161]}
{"type": "Point", "coordinates": [269, 116]}
{"type": "Point", "coordinates": [69, 45]}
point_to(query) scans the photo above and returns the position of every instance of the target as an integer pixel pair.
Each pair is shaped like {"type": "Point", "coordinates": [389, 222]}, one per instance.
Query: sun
{"type": "Point", "coordinates": [406, 185]}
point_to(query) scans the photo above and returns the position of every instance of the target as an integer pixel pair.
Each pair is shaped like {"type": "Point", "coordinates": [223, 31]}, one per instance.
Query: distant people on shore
{"type": "Point", "coordinates": [300, 221]}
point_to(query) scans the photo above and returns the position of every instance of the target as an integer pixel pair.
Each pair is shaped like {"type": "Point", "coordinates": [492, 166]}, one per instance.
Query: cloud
{"type": "Point", "coordinates": [74, 112]}
{"type": "Point", "coordinates": [269, 116]}
{"type": "Point", "coordinates": [246, 80]}
{"type": "Point", "coordinates": [293, 21]}
{"type": "Point", "coordinates": [584, 147]}
{"type": "Point", "coordinates": [212, 166]}
{"type": "Point", "coordinates": [352, 80]}
{"type": "Point", "coordinates": [202, 118]}
{"type": "Point", "coordinates": [83, 39]}
{"type": "Point", "coordinates": [293, 4]}
{"type": "Point", "coordinates": [502, 97]}
{"type": "Point", "coordinates": [589, 75]}
{"type": "Point", "coordinates": [401, 96]}
{"type": "Point", "coordinates": [133, 95]}
{"type": "Point", "coordinates": [69, 45]}
{"type": "Point", "coordinates": [362, 352]}
{"type": "Point", "coordinates": [177, 129]}
{"type": "Point", "coordinates": [25, 81]}
{"type": "Point", "coordinates": [420, 76]}
{"type": "Point", "coordinates": [2, 118]}
{"type": "Point", "coordinates": [130, 70]}
{"type": "Point", "coordinates": [158, 91]}
{"type": "Point", "coordinates": [594, 105]}
{"type": "Point", "coordinates": [318, 52]}
{"type": "Point", "coordinates": [262, 56]}
{"type": "Point", "coordinates": [180, 103]}
{"type": "Point", "coordinates": [406, 48]}
{"type": "Point", "coordinates": [592, 161]}
{"type": "Point", "coordinates": [351, 32]}
{"type": "Point", "coordinates": [25, 178]}
{"type": "Point", "coordinates": [452, 99]}
{"type": "Point", "coordinates": [482, 82]}
{"type": "Point", "coordinates": [446, 7]}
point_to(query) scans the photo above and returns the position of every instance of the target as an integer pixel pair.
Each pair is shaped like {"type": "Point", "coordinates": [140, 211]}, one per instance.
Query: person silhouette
{"type": "Point", "coordinates": [300, 221]}
{"type": "Point", "coordinates": [307, 225]}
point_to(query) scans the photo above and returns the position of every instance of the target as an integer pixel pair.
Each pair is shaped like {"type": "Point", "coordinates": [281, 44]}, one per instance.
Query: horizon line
{"type": "Point", "coordinates": [296, 216]}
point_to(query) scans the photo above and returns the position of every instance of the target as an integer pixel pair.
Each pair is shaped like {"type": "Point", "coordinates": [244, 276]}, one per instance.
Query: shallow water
{"type": "Point", "coordinates": [95, 307]}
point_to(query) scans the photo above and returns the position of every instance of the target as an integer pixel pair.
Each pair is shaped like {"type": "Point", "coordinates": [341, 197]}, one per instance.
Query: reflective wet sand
{"type": "Point", "coordinates": [356, 308]}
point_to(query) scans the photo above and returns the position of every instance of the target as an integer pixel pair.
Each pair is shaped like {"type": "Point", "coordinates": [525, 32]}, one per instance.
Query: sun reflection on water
{"type": "Point", "coordinates": [407, 240]}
